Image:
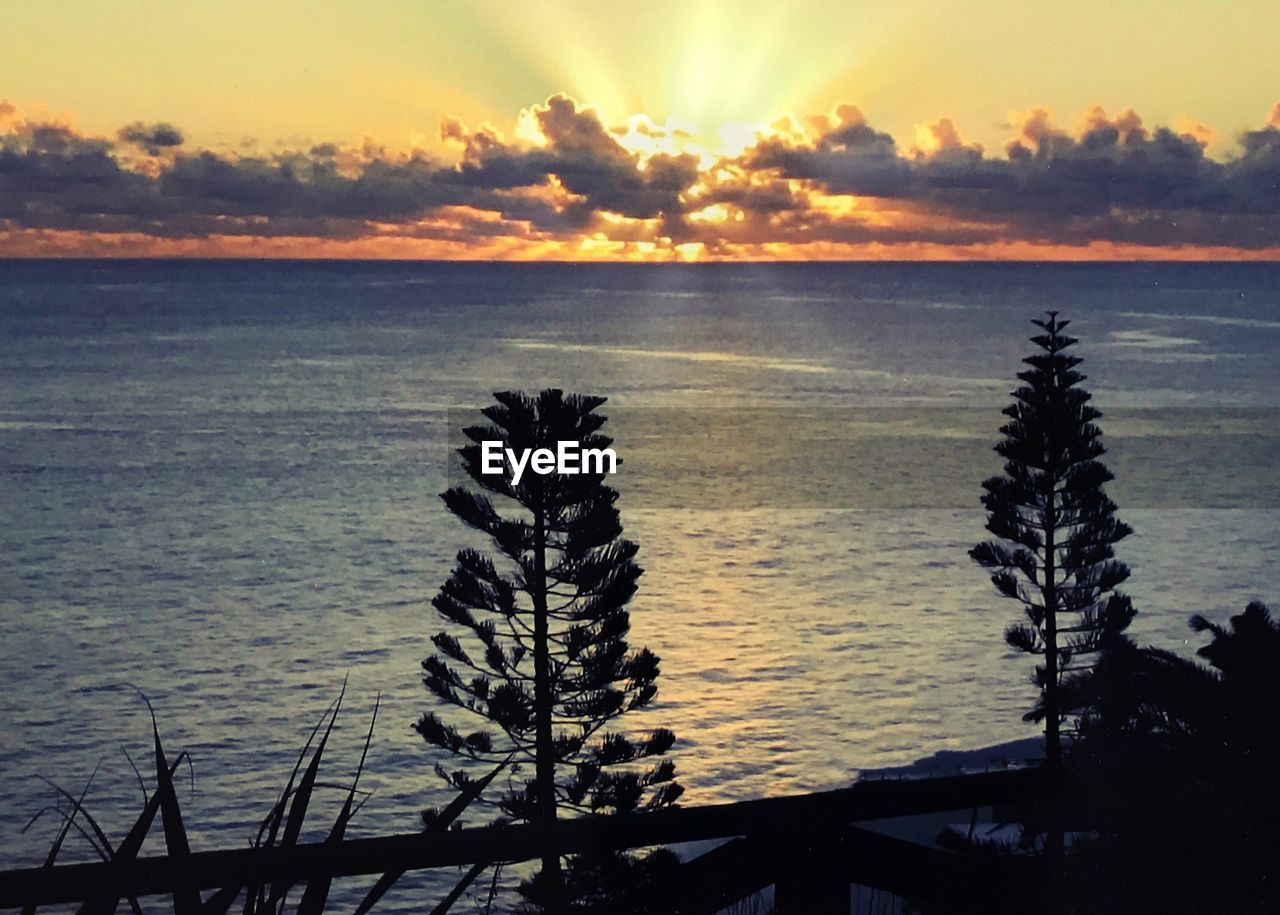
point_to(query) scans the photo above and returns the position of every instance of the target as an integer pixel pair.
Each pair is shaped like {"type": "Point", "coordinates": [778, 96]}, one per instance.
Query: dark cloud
{"type": "Point", "coordinates": [154, 138]}
{"type": "Point", "coordinates": [1112, 180]}
{"type": "Point", "coordinates": [847, 157]}
{"type": "Point", "coordinates": [585, 159]}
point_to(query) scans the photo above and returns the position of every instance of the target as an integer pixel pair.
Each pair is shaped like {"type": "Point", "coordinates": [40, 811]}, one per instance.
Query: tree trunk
{"type": "Point", "coordinates": [1052, 738]}
{"type": "Point", "coordinates": [544, 748]}
{"type": "Point", "coordinates": [1054, 841]}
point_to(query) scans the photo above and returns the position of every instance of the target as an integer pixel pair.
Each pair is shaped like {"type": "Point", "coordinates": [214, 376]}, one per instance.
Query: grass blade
{"type": "Point", "coordinates": [105, 849]}
{"type": "Point", "coordinates": [103, 844]}
{"type": "Point", "coordinates": [186, 901]}
{"type": "Point", "coordinates": [66, 827]}
{"type": "Point", "coordinates": [254, 897]}
{"type": "Point", "coordinates": [129, 848]}
{"type": "Point", "coordinates": [69, 820]}
{"type": "Point", "coordinates": [317, 893]}
{"type": "Point", "coordinates": [301, 800]}
{"type": "Point", "coordinates": [456, 893]}
{"type": "Point", "coordinates": [271, 824]}
{"type": "Point", "coordinates": [302, 797]}
{"type": "Point", "coordinates": [440, 824]}
{"type": "Point", "coordinates": [378, 890]}
{"type": "Point", "coordinates": [220, 902]}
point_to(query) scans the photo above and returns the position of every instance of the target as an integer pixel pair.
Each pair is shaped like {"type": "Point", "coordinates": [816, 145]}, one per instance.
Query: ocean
{"type": "Point", "coordinates": [220, 489]}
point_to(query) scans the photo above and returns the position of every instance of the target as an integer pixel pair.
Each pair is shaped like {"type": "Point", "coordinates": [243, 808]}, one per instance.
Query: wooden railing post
{"type": "Point", "coordinates": [812, 876]}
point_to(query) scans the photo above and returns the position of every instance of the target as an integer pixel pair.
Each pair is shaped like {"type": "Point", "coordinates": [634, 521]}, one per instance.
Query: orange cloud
{"type": "Point", "coordinates": [569, 186]}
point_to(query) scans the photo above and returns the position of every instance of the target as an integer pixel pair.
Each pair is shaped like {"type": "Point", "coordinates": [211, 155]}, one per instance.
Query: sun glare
{"type": "Point", "coordinates": [706, 85]}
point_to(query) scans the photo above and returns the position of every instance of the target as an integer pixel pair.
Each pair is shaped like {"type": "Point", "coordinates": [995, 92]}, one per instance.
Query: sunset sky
{"type": "Point", "coordinates": [689, 130]}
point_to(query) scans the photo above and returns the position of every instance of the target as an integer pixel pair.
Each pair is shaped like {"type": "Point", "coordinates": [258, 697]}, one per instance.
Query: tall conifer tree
{"type": "Point", "coordinates": [1055, 529]}
{"type": "Point", "coordinates": [537, 647]}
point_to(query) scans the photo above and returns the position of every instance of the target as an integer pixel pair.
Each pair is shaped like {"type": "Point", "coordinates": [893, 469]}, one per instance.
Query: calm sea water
{"type": "Point", "coordinates": [219, 484]}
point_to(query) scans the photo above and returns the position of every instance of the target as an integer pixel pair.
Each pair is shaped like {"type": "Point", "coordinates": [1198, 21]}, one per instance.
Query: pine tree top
{"type": "Point", "coordinates": [1054, 525]}
{"type": "Point", "coordinates": [536, 651]}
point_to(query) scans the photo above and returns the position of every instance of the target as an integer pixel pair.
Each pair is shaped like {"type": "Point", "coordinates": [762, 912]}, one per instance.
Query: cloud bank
{"type": "Point", "coordinates": [567, 185]}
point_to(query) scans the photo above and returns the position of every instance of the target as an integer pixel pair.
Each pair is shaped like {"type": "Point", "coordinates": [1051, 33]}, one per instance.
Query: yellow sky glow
{"type": "Point", "coordinates": [330, 71]}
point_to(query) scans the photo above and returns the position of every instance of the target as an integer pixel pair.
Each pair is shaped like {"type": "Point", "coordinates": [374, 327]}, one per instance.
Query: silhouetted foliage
{"type": "Point", "coordinates": [537, 648]}
{"type": "Point", "coordinates": [1055, 530]}
{"type": "Point", "coordinates": [263, 891]}
{"type": "Point", "coordinates": [1181, 760]}
{"type": "Point", "coordinates": [606, 883]}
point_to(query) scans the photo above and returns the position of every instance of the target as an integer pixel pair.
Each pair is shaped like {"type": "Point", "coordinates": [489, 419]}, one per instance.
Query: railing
{"type": "Point", "coordinates": [808, 846]}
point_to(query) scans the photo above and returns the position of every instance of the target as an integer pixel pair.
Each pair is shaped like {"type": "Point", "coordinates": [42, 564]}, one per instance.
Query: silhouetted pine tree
{"type": "Point", "coordinates": [1056, 529]}
{"type": "Point", "coordinates": [538, 648]}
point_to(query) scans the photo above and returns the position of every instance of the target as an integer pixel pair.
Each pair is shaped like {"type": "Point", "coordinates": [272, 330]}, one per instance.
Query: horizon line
{"type": "Point", "coordinates": [623, 262]}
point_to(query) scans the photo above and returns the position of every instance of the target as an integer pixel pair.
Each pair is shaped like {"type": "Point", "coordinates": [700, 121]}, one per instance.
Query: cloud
{"type": "Point", "coordinates": [568, 181]}
{"type": "Point", "coordinates": [847, 157]}
{"type": "Point", "coordinates": [1111, 180]}
{"type": "Point", "coordinates": [942, 137]}
{"type": "Point", "coordinates": [583, 158]}
{"type": "Point", "coordinates": [153, 138]}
